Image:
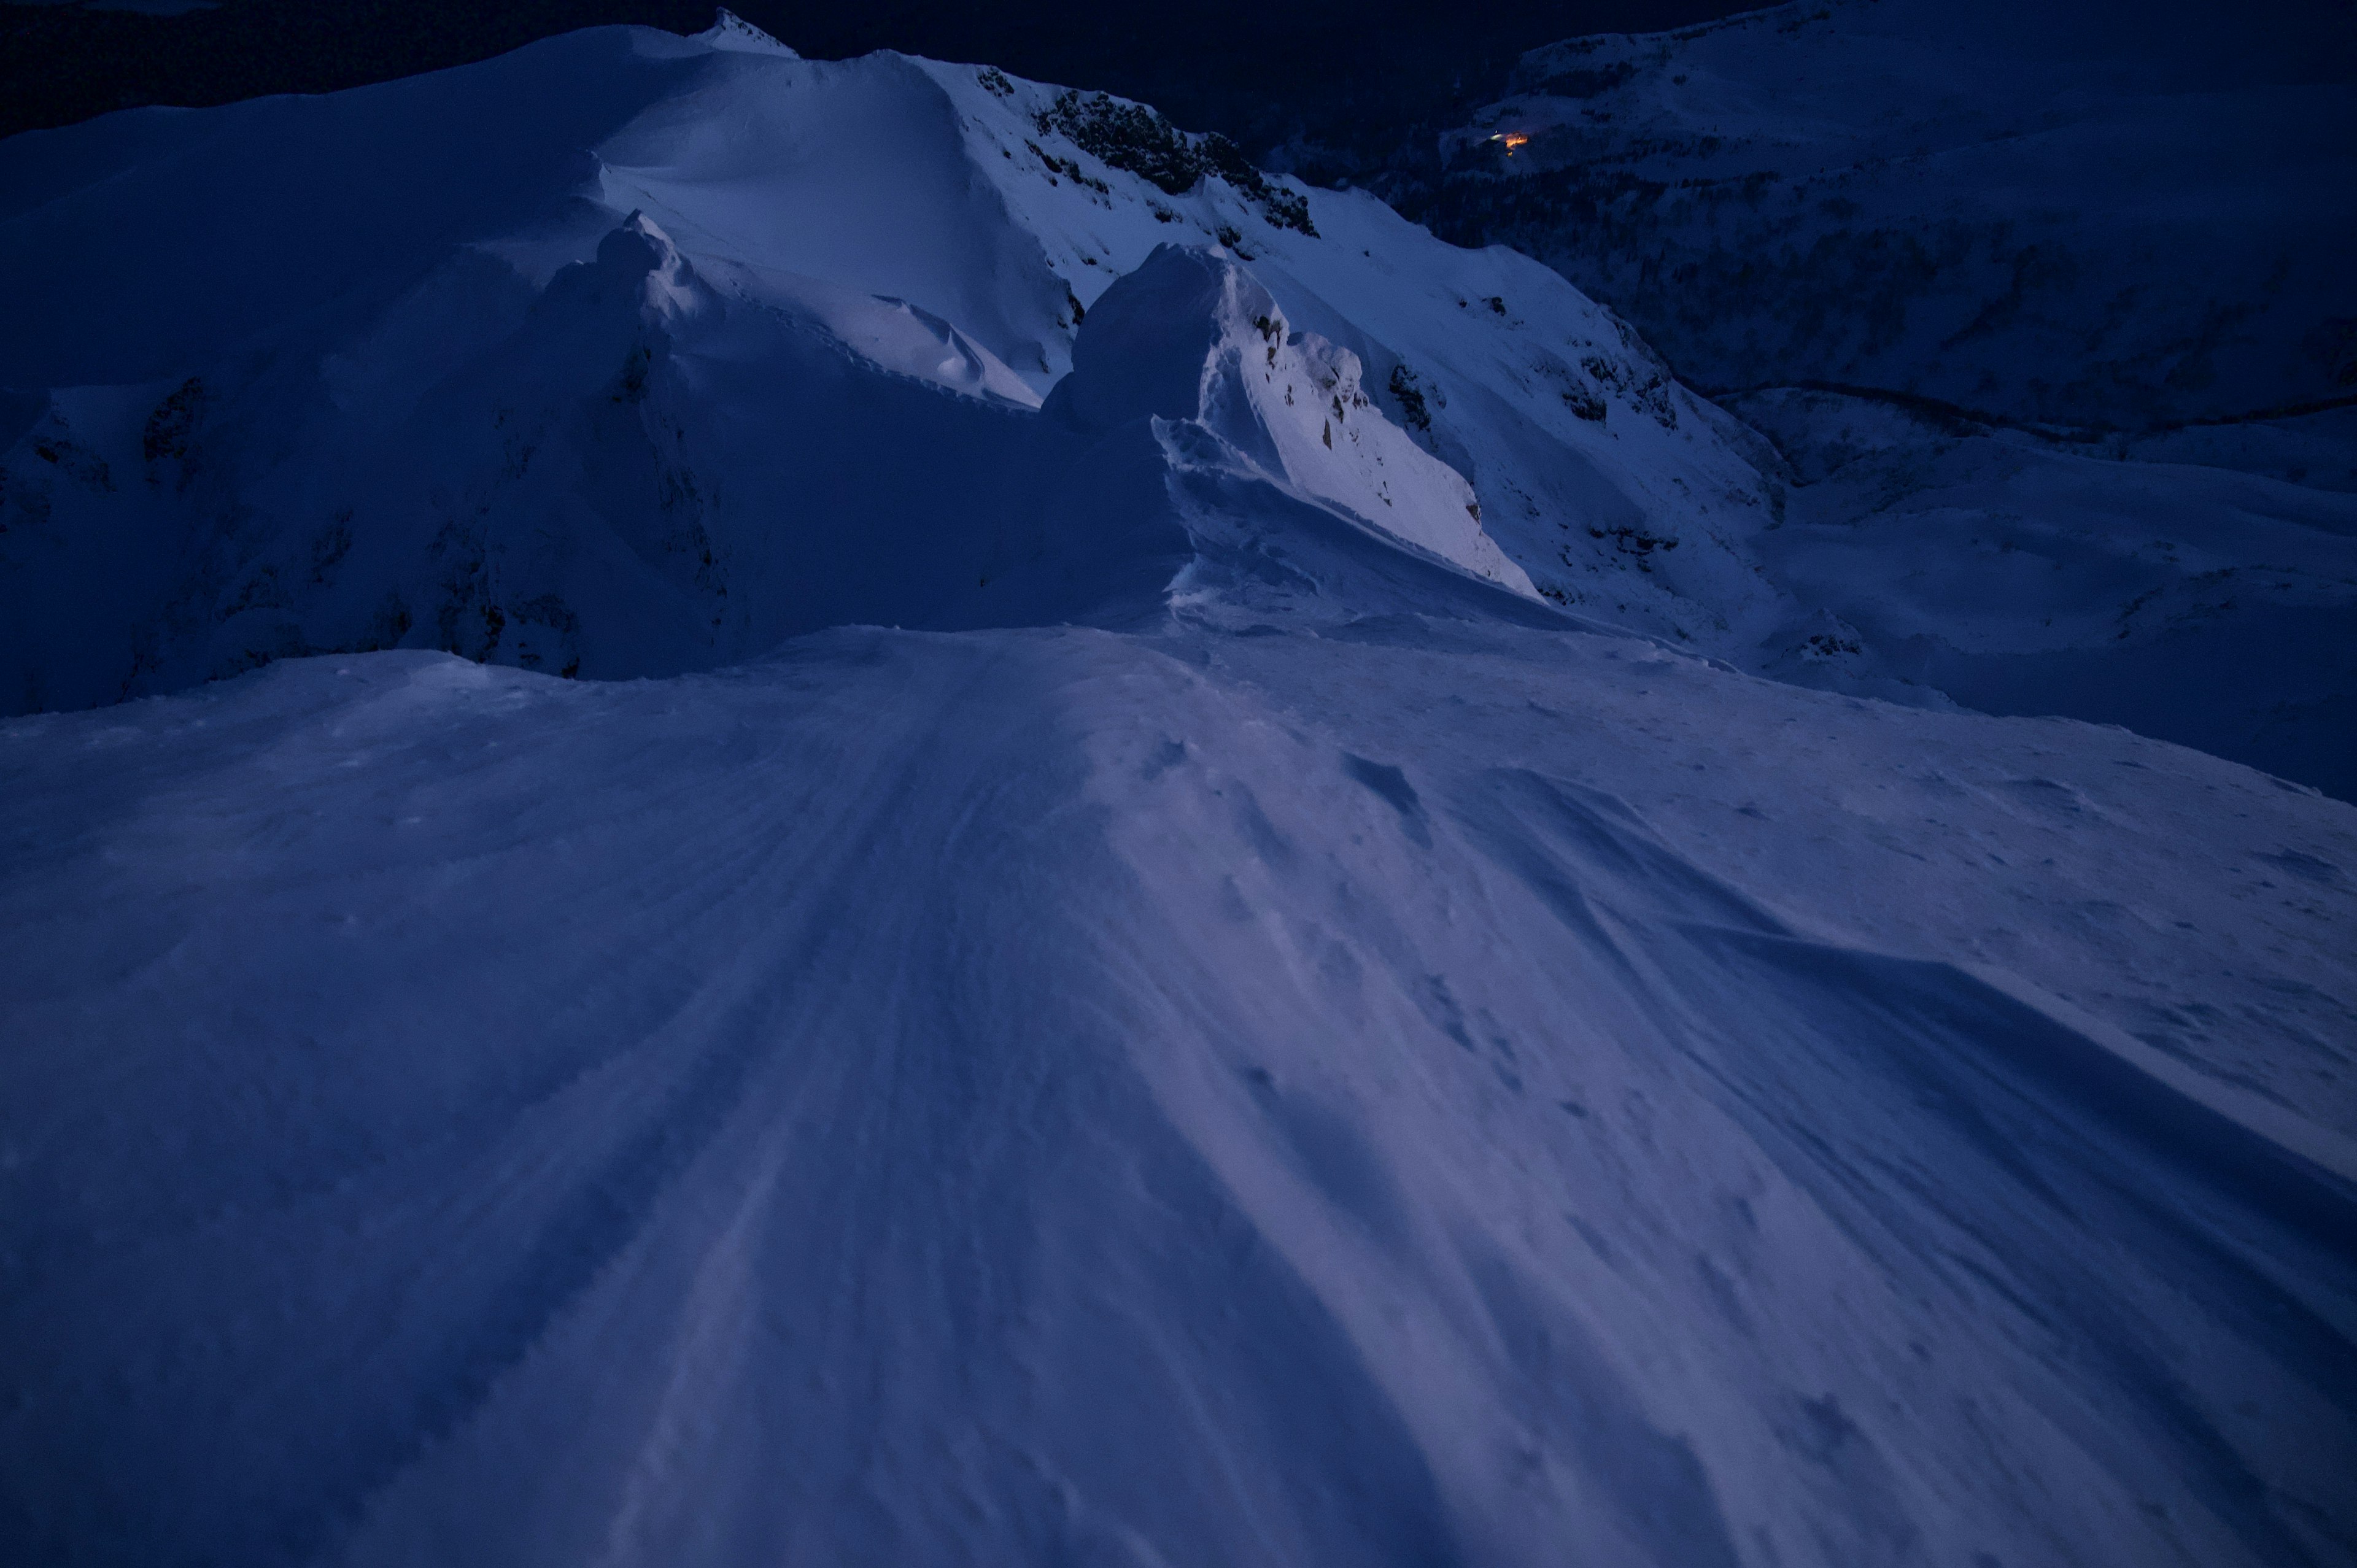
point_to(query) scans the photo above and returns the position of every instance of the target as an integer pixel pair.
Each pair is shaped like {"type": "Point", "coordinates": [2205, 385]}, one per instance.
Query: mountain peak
{"type": "Point", "coordinates": [731, 31]}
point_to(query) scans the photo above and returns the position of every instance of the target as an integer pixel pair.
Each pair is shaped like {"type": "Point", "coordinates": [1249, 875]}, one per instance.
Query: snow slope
{"type": "Point", "coordinates": [1121, 987]}
{"type": "Point", "coordinates": [2181, 598]}
{"type": "Point", "coordinates": [2046, 307]}
{"type": "Point", "coordinates": [403, 381]}
{"type": "Point", "coordinates": [222, 463]}
{"type": "Point", "coordinates": [1396, 1089]}
{"type": "Point", "coordinates": [2087, 214]}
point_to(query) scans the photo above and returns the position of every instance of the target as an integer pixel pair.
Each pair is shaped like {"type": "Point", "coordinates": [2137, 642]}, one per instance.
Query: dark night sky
{"type": "Point", "coordinates": [1257, 70]}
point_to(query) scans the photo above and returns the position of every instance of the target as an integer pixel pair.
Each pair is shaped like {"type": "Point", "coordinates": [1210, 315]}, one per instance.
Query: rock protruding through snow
{"type": "Point", "coordinates": [1192, 335]}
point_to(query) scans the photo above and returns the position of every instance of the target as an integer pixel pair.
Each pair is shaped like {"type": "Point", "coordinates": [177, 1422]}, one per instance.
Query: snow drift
{"type": "Point", "coordinates": [1395, 1090]}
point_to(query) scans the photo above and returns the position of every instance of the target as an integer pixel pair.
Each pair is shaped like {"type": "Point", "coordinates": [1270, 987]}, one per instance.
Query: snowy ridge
{"type": "Point", "coordinates": [731, 31]}
{"type": "Point", "coordinates": [1141, 960]}
{"type": "Point", "coordinates": [929, 221]}
{"type": "Point", "coordinates": [220, 466]}
{"type": "Point", "coordinates": [1402, 1091]}
{"type": "Point", "coordinates": [1259, 389]}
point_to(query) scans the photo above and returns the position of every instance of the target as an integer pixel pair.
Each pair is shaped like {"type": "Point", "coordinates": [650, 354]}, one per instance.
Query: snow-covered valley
{"type": "Point", "coordinates": [2098, 214]}
{"type": "Point", "coordinates": [2056, 296]}
{"type": "Point", "coordinates": [844, 812]}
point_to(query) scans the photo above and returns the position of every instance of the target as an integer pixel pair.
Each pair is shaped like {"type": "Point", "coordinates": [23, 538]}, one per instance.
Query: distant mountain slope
{"type": "Point", "coordinates": [395, 387]}
{"type": "Point", "coordinates": [627, 354]}
{"type": "Point", "coordinates": [2085, 214]}
{"type": "Point", "coordinates": [2046, 305]}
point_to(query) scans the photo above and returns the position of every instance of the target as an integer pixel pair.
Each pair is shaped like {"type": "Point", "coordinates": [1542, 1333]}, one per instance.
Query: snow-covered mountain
{"type": "Point", "coordinates": [2055, 297]}
{"type": "Point", "coordinates": [368, 405]}
{"type": "Point", "coordinates": [374, 370]}
{"type": "Point", "coordinates": [2085, 214]}
{"type": "Point", "coordinates": [892, 819]}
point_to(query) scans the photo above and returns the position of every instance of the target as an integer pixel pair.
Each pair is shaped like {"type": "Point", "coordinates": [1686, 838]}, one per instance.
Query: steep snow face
{"type": "Point", "coordinates": [400, 432]}
{"type": "Point", "coordinates": [1191, 335]}
{"type": "Point", "coordinates": [1615, 492]}
{"type": "Point", "coordinates": [2091, 213]}
{"type": "Point", "coordinates": [374, 400]}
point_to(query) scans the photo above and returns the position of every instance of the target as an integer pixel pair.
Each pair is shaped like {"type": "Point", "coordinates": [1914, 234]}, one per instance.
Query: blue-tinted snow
{"type": "Point", "coordinates": [2072, 276]}
{"type": "Point", "coordinates": [1141, 995]}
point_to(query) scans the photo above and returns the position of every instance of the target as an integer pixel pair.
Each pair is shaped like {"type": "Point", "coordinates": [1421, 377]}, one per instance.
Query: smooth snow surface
{"type": "Point", "coordinates": [1111, 977]}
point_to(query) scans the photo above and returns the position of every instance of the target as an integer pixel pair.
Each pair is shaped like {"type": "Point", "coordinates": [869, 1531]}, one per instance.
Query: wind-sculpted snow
{"type": "Point", "coordinates": [1109, 976]}
{"type": "Point", "coordinates": [1421, 1092]}
{"type": "Point", "coordinates": [1192, 338]}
